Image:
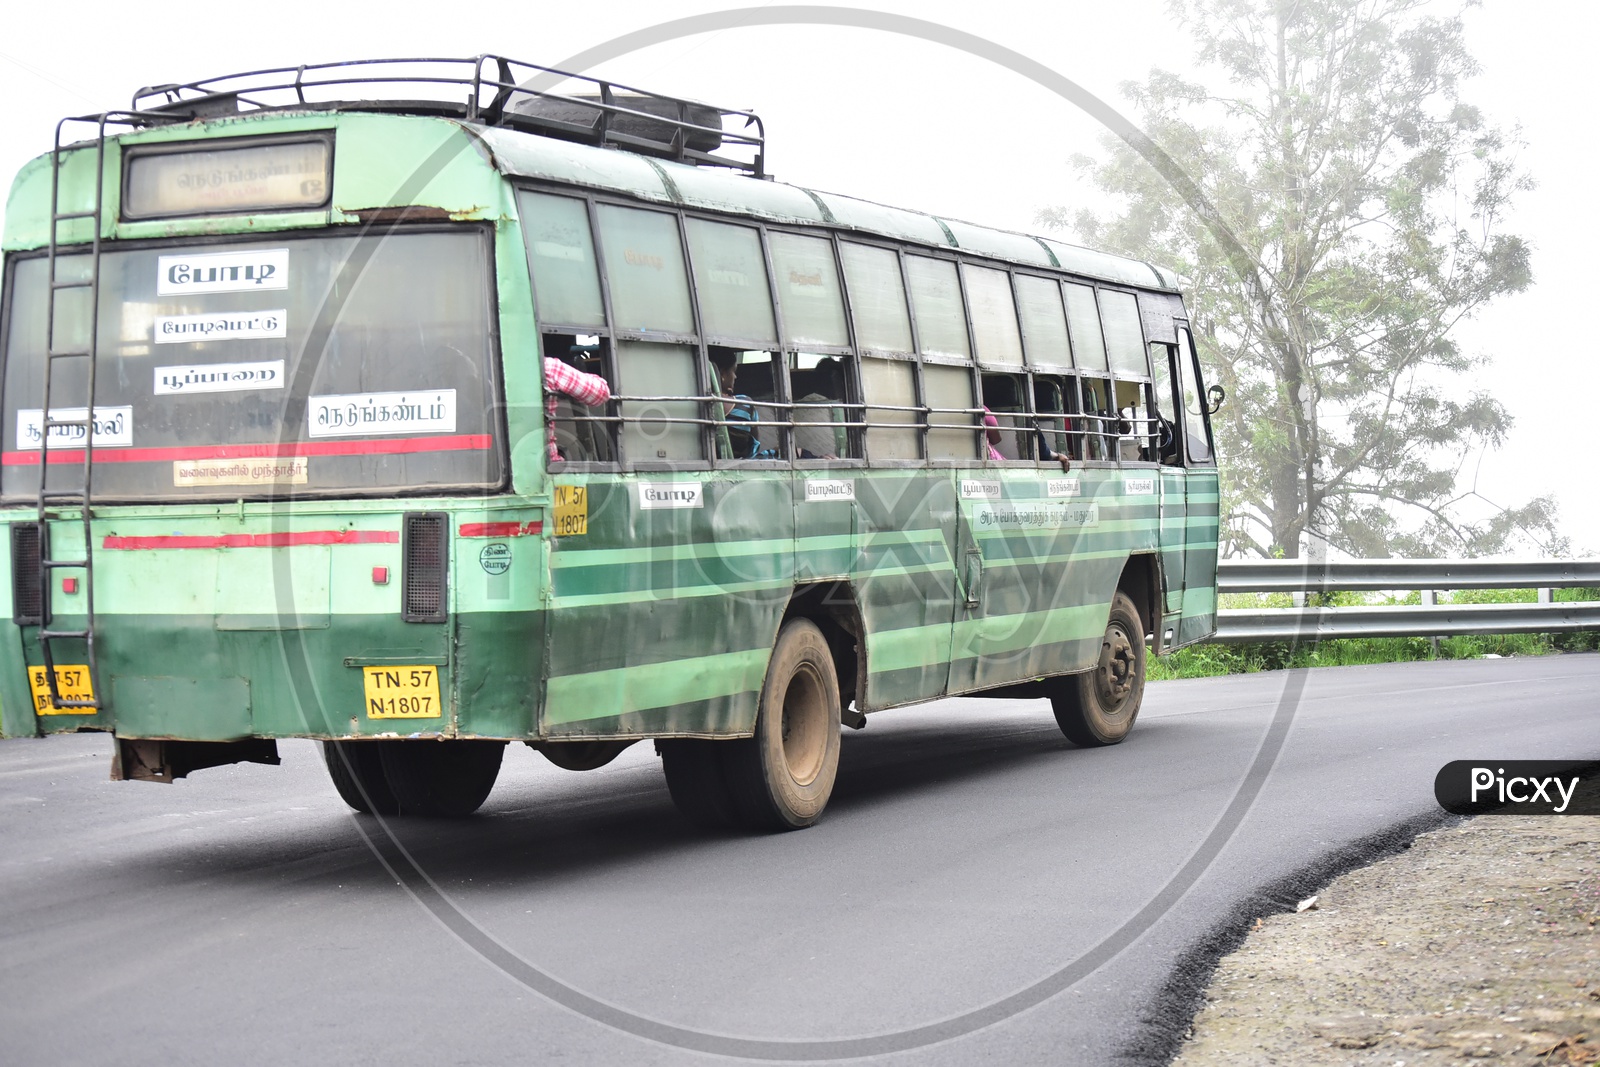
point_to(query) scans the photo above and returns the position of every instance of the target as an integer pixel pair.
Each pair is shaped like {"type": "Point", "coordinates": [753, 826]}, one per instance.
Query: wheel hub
{"type": "Point", "coordinates": [1115, 676]}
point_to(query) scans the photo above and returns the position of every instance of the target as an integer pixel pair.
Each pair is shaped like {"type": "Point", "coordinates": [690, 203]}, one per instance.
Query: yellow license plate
{"type": "Point", "coordinates": [402, 692]}
{"type": "Point", "coordinates": [72, 682]}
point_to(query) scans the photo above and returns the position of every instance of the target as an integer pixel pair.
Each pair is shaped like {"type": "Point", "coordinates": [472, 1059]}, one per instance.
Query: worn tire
{"type": "Point", "coordinates": [356, 768]}
{"type": "Point", "coordinates": [1099, 707]}
{"type": "Point", "coordinates": [441, 778]}
{"type": "Point", "coordinates": [695, 778]}
{"type": "Point", "coordinates": [782, 777]}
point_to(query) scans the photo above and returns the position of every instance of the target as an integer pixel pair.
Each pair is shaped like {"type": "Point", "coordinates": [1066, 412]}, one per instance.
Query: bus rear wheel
{"type": "Point", "coordinates": [356, 768]}
{"type": "Point", "coordinates": [782, 777]}
{"type": "Point", "coordinates": [1099, 707]}
{"type": "Point", "coordinates": [695, 778]}
{"type": "Point", "coordinates": [441, 778]}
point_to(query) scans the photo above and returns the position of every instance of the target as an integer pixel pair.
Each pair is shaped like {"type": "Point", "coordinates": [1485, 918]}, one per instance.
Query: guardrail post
{"type": "Point", "coordinates": [1430, 598]}
{"type": "Point", "coordinates": [1546, 596]}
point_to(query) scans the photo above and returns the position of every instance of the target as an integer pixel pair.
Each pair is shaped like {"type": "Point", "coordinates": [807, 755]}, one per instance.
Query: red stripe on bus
{"type": "Point", "coordinates": [501, 529]}
{"type": "Point", "coordinates": [466, 442]}
{"type": "Point", "coordinates": [266, 540]}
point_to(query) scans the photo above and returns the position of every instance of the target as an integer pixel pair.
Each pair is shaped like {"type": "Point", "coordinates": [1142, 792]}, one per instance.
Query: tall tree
{"type": "Point", "coordinates": [1356, 217]}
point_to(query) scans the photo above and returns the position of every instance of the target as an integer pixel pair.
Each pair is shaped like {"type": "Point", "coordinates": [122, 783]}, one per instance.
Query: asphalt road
{"type": "Point", "coordinates": [970, 858]}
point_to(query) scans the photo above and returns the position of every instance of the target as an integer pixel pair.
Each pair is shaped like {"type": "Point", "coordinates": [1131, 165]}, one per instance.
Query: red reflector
{"type": "Point", "coordinates": [69, 585]}
{"type": "Point", "coordinates": [380, 576]}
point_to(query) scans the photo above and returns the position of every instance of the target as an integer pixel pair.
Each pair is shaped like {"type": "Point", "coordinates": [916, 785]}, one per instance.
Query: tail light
{"type": "Point", "coordinates": [28, 604]}
{"type": "Point", "coordinates": [424, 582]}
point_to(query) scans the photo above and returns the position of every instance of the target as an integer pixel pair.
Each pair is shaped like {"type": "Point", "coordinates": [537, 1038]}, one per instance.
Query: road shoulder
{"type": "Point", "coordinates": [1477, 944]}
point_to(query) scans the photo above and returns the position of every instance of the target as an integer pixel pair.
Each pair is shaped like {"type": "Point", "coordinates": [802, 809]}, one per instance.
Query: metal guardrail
{"type": "Point", "coordinates": [1428, 619]}
{"type": "Point", "coordinates": [1303, 576]}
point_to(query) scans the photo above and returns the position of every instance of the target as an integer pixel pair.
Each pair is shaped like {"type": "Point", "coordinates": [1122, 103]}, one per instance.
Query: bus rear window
{"type": "Point", "coordinates": [301, 366]}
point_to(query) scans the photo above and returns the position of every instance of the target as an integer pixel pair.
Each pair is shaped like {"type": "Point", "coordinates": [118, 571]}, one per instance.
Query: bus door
{"type": "Point", "coordinates": [904, 514]}
{"type": "Point", "coordinates": [1193, 438]}
{"type": "Point", "coordinates": [998, 591]}
{"type": "Point", "coordinates": [1172, 485]}
{"type": "Point", "coordinates": [825, 494]}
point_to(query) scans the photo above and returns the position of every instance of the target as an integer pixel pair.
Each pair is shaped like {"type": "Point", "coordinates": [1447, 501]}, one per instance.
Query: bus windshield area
{"type": "Point", "coordinates": [297, 366]}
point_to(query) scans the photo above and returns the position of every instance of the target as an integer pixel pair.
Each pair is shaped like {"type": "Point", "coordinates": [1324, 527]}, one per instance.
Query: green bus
{"type": "Point", "coordinates": [280, 459]}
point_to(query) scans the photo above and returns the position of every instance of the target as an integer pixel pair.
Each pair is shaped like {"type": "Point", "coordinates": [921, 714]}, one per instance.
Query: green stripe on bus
{"type": "Point", "coordinates": [601, 694]}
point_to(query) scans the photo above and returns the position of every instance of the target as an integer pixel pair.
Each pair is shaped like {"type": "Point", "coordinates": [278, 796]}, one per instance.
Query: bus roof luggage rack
{"type": "Point", "coordinates": [499, 92]}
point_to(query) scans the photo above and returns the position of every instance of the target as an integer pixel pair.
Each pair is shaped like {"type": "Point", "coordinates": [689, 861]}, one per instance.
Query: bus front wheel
{"type": "Point", "coordinates": [441, 778]}
{"type": "Point", "coordinates": [1098, 707]}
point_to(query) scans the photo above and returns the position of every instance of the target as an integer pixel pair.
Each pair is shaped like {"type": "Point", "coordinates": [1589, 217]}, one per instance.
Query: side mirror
{"type": "Point", "coordinates": [1214, 398]}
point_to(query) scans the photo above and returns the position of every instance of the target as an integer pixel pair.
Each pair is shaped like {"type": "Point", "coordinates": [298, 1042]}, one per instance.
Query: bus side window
{"type": "Point", "coordinates": [892, 429]}
{"type": "Point", "coordinates": [583, 434]}
{"type": "Point", "coordinates": [877, 298]}
{"type": "Point", "coordinates": [1167, 432]}
{"type": "Point", "coordinates": [656, 430]}
{"type": "Point", "coordinates": [821, 408]}
{"type": "Point", "coordinates": [1099, 422]}
{"type": "Point", "coordinates": [954, 426]}
{"type": "Point", "coordinates": [649, 288]}
{"type": "Point", "coordinates": [750, 424]}
{"type": "Point", "coordinates": [994, 316]}
{"type": "Point", "coordinates": [1133, 419]}
{"type": "Point", "coordinates": [1003, 396]}
{"type": "Point", "coordinates": [1083, 321]}
{"type": "Point", "coordinates": [1054, 422]}
{"type": "Point", "coordinates": [936, 306]}
{"type": "Point", "coordinates": [566, 284]}
{"type": "Point", "coordinates": [1044, 324]}
{"type": "Point", "coordinates": [566, 289]}
{"type": "Point", "coordinates": [1196, 422]}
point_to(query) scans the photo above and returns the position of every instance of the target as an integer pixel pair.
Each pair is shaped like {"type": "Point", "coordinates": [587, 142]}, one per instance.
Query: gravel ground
{"type": "Point", "coordinates": [1478, 945]}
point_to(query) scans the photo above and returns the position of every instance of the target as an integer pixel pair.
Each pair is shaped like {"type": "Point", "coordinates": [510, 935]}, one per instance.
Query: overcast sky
{"type": "Point", "coordinates": [907, 122]}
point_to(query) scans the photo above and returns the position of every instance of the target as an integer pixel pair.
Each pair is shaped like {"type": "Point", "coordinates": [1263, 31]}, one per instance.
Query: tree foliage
{"type": "Point", "coordinates": [1352, 217]}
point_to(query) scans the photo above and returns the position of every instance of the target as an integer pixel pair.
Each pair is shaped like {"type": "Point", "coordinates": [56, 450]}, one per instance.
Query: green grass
{"type": "Point", "coordinates": [1205, 661]}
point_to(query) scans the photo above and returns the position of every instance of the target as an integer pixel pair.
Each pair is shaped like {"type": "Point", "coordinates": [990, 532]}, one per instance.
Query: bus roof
{"type": "Point", "coordinates": [669, 147]}
{"type": "Point", "coordinates": [525, 155]}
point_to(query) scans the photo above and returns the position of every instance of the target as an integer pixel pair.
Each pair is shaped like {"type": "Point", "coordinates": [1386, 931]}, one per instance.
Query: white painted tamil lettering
{"type": "Point", "coordinates": [199, 473]}
{"type": "Point", "coordinates": [113, 427]}
{"type": "Point", "coordinates": [221, 326]}
{"type": "Point", "coordinates": [653, 495]}
{"type": "Point", "coordinates": [1062, 487]}
{"type": "Point", "coordinates": [830, 489]}
{"type": "Point", "coordinates": [223, 272]}
{"type": "Point", "coordinates": [1041, 515]}
{"type": "Point", "coordinates": [368, 414]}
{"type": "Point", "coordinates": [1139, 486]}
{"type": "Point", "coordinates": [219, 377]}
{"type": "Point", "coordinates": [979, 489]}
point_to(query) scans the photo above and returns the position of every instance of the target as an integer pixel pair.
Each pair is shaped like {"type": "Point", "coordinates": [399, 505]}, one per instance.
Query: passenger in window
{"type": "Point", "coordinates": [740, 417]}
{"type": "Point", "coordinates": [991, 435]}
{"type": "Point", "coordinates": [563, 379]}
{"type": "Point", "coordinates": [819, 432]}
{"type": "Point", "coordinates": [1050, 455]}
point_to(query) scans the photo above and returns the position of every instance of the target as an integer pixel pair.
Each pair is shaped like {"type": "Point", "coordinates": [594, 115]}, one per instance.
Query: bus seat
{"type": "Point", "coordinates": [1010, 445]}
{"type": "Point", "coordinates": [812, 431]}
{"type": "Point", "coordinates": [578, 438]}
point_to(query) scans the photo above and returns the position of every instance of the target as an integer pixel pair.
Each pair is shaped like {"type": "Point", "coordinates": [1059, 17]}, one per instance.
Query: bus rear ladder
{"type": "Point", "coordinates": [73, 497]}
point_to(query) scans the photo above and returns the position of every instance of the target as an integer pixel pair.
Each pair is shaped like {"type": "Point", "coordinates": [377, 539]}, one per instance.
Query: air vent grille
{"type": "Point", "coordinates": [425, 546]}
{"type": "Point", "coordinates": [27, 589]}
